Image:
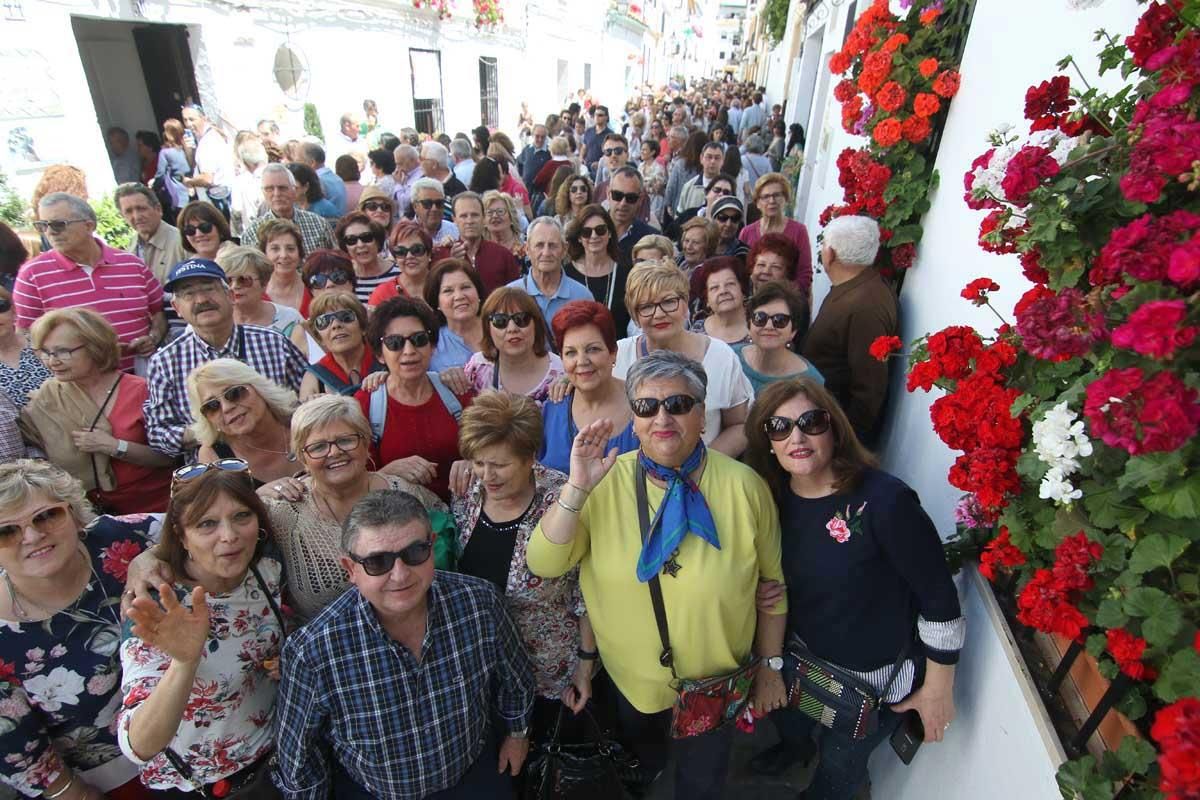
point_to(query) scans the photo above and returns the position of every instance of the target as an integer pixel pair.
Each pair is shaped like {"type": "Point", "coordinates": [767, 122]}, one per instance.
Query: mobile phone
{"type": "Point", "coordinates": [907, 738]}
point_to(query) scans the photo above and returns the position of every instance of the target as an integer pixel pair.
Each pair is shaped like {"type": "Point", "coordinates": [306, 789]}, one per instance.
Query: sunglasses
{"type": "Point", "coordinates": [378, 564]}
{"type": "Point", "coordinates": [722, 192]}
{"type": "Point", "coordinates": [676, 405]}
{"type": "Point", "coordinates": [395, 342]}
{"type": "Point", "coordinates": [500, 320]}
{"type": "Point", "coordinates": [811, 423]}
{"type": "Point", "coordinates": [624, 197]}
{"type": "Point", "coordinates": [242, 281]}
{"type": "Point", "coordinates": [668, 306]}
{"type": "Point", "coordinates": [344, 316]}
{"type": "Point", "coordinates": [416, 250]}
{"type": "Point", "coordinates": [778, 321]}
{"type": "Point", "coordinates": [192, 471]}
{"type": "Point", "coordinates": [322, 279]}
{"type": "Point", "coordinates": [5, 306]}
{"type": "Point", "coordinates": [55, 226]}
{"type": "Point", "coordinates": [595, 231]}
{"type": "Point", "coordinates": [46, 521]}
{"type": "Point", "coordinates": [347, 444]}
{"type": "Point", "coordinates": [579, 189]}
{"type": "Point", "coordinates": [428, 204]}
{"type": "Point", "coordinates": [376, 205]}
{"type": "Point", "coordinates": [614, 151]}
{"type": "Point", "coordinates": [199, 227]}
{"type": "Point", "coordinates": [727, 218]}
{"type": "Point", "coordinates": [233, 395]}
{"type": "Point", "coordinates": [351, 239]}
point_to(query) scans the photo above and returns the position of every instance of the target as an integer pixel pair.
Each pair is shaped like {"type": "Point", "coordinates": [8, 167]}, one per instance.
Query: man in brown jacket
{"type": "Point", "coordinates": [859, 308]}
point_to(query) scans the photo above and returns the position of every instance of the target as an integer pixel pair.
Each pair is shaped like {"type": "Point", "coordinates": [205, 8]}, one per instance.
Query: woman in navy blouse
{"type": "Point", "coordinates": [864, 570]}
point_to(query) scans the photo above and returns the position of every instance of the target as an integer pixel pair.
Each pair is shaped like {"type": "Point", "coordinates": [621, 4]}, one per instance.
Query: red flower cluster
{"type": "Point", "coordinates": [926, 104]}
{"type": "Point", "coordinates": [1049, 103]}
{"type": "Point", "coordinates": [1032, 269]}
{"type": "Point", "coordinates": [1025, 172]}
{"type": "Point", "coordinates": [844, 91]}
{"type": "Point", "coordinates": [884, 346]}
{"type": "Point", "coordinates": [1152, 249]}
{"type": "Point", "coordinates": [1166, 147]}
{"type": "Point", "coordinates": [1142, 416]}
{"type": "Point", "coordinates": [1044, 606]}
{"type": "Point", "coordinates": [1177, 730]}
{"type": "Point", "coordinates": [862, 180]}
{"type": "Point", "coordinates": [976, 415]}
{"type": "Point", "coordinates": [952, 349]}
{"type": "Point", "coordinates": [890, 96]}
{"type": "Point", "coordinates": [876, 68]}
{"type": "Point", "coordinates": [1155, 329]}
{"type": "Point", "coordinates": [887, 132]}
{"type": "Point", "coordinates": [1155, 31]}
{"type": "Point", "coordinates": [928, 67]}
{"type": "Point", "coordinates": [946, 84]}
{"type": "Point", "coordinates": [923, 375]}
{"type": "Point", "coordinates": [916, 129]}
{"type": "Point", "coordinates": [999, 553]}
{"type": "Point", "coordinates": [988, 473]}
{"type": "Point", "coordinates": [1072, 559]}
{"type": "Point", "coordinates": [994, 234]}
{"type": "Point", "coordinates": [1127, 650]}
{"type": "Point", "coordinates": [1057, 326]}
{"type": "Point", "coordinates": [977, 290]}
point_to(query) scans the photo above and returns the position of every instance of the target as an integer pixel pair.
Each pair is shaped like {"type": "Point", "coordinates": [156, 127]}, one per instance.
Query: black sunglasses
{"type": "Point", "coordinates": [351, 239]}
{"type": "Point", "coordinates": [500, 320]}
{"type": "Point", "coordinates": [728, 218]}
{"type": "Point", "coordinates": [344, 316]}
{"type": "Point", "coordinates": [190, 472]}
{"type": "Point", "coordinates": [395, 342]}
{"type": "Point", "coordinates": [5, 306]}
{"type": "Point", "coordinates": [377, 564]}
{"type": "Point", "coordinates": [624, 197]}
{"type": "Point", "coordinates": [428, 204]}
{"type": "Point", "coordinates": [322, 279]}
{"type": "Point", "coordinates": [417, 250]}
{"type": "Point", "coordinates": [54, 225]}
{"type": "Point", "coordinates": [721, 191]}
{"type": "Point", "coordinates": [201, 227]}
{"type": "Point", "coordinates": [778, 321]}
{"type": "Point", "coordinates": [813, 422]}
{"type": "Point", "coordinates": [614, 151]}
{"type": "Point", "coordinates": [377, 205]}
{"type": "Point", "coordinates": [676, 405]}
{"type": "Point", "coordinates": [595, 231]}
{"type": "Point", "coordinates": [233, 395]}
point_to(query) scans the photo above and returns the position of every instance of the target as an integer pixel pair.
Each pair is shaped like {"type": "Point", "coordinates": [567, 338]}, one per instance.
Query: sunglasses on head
{"type": "Point", "coordinates": [192, 471]}
{"type": "Point", "coordinates": [377, 205]}
{"type": "Point", "coordinates": [811, 423]}
{"type": "Point", "coordinates": [377, 564]}
{"type": "Point", "coordinates": [199, 227]}
{"type": "Point", "coordinates": [676, 405]}
{"type": "Point", "coordinates": [351, 239]}
{"type": "Point", "coordinates": [342, 315]}
{"type": "Point", "coordinates": [320, 280]}
{"type": "Point", "coordinates": [596, 231]}
{"type": "Point", "coordinates": [46, 521]}
{"type": "Point", "coordinates": [759, 319]}
{"type": "Point", "coordinates": [624, 197]}
{"type": "Point", "coordinates": [395, 342]}
{"type": "Point", "coordinates": [727, 218]}
{"type": "Point", "coordinates": [54, 225]}
{"type": "Point", "coordinates": [417, 250]}
{"type": "Point", "coordinates": [233, 395]}
{"type": "Point", "coordinates": [428, 204]}
{"type": "Point", "coordinates": [500, 320]}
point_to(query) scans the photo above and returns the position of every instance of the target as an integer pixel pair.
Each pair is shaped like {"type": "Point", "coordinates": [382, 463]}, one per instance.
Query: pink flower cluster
{"type": "Point", "coordinates": [1152, 249]}
{"type": "Point", "coordinates": [1128, 411]}
{"type": "Point", "coordinates": [1156, 329]}
{"type": "Point", "coordinates": [1057, 326]}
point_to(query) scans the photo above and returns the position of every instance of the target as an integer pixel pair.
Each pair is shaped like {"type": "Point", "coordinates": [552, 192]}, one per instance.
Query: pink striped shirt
{"type": "Point", "coordinates": [121, 288]}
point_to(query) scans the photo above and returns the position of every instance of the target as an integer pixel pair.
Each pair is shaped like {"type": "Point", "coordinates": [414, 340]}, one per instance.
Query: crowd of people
{"type": "Point", "coordinates": [360, 482]}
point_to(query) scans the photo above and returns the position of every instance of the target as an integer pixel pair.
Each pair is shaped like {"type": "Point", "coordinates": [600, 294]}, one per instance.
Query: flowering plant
{"type": "Point", "coordinates": [444, 8]}
{"type": "Point", "coordinates": [900, 73]}
{"type": "Point", "coordinates": [487, 13]}
{"type": "Point", "coordinates": [1077, 419]}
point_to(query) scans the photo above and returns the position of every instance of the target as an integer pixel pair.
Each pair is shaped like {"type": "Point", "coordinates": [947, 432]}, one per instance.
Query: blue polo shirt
{"type": "Point", "coordinates": [568, 289]}
{"type": "Point", "coordinates": [334, 188]}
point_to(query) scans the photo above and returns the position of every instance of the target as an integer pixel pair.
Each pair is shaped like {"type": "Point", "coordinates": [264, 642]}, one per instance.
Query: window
{"type": "Point", "coordinates": [426, 68]}
{"type": "Point", "coordinates": [489, 91]}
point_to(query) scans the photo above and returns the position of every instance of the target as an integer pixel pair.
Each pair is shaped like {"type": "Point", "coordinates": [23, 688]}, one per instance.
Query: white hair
{"type": "Point", "coordinates": [79, 207]}
{"type": "Point", "coordinates": [276, 168]}
{"type": "Point", "coordinates": [551, 221]}
{"type": "Point", "coordinates": [432, 184]}
{"type": "Point", "coordinates": [253, 154]}
{"type": "Point", "coordinates": [461, 148]}
{"type": "Point", "coordinates": [436, 151]}
{"type": "Point", "coordinates": [406, 151]}
{"type": "Point", "coordinates": [855, 240]}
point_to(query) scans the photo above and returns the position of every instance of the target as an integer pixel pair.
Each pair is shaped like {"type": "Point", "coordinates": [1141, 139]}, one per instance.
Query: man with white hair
{"type": "Point", "coordinates": [546, 281]}
{"type": "Point", "coordinates": [464, 159]}
{"type": "Point", "coordinates": [279, 190]}
{"type": "Point", "coordinates": [435, 163]}
{"type": "Point", "coordinates": [429, 205]}
{"type": "Point", "coordinates": [408, 170]}
{"type": "Point", "coordinates": [859, 308]}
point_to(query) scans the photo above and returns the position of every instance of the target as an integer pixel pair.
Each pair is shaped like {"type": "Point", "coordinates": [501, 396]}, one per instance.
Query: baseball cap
{"type": "Point", "coordinates": [194, 268]}
{"type": "Point", "coordinates": [725, 203]}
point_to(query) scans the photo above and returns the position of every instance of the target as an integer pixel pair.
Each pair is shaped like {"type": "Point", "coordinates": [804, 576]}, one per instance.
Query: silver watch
{"type": "Point", "coordinates": [774, 663]}
{"type": "Point", "coordinates": [122, 448]}
{"type": "Point", "coordinates": [521, 734]}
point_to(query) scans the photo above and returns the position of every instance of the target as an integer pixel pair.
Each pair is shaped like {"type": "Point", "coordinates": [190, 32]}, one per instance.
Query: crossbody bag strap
{"type": "Point", "coordinates": [270, 601]}
{"type": "Point", "coordinates": [895, 673]}
{"type": "Point", "coordinates": [656, 597]}
{"type": "Point", "coordinates": [95, 420]}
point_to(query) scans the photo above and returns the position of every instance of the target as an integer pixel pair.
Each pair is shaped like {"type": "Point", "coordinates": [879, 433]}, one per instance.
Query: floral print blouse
{"type": "Point", "coordinates": [546, 610]}
{"type": "Point", "coordinates": [59, 678]}
{"type": "Point", "coordinates": [481, 374]}
{"type": "Point", "coordinates": [228, 722]}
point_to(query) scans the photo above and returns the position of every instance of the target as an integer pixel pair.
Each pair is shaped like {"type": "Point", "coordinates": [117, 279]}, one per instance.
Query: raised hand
{"type": "Point", "coordinates": [168, 625]}
{"type": "Point", "coordinates": [589, 463]}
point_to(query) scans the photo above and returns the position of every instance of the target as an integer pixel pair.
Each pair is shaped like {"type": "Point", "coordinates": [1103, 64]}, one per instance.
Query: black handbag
{"type": "Point", "coordinates": [597, 770]}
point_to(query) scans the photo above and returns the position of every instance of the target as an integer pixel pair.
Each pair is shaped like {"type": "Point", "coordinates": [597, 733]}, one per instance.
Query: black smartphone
{"type": "Point", "coordinates": [908, 736]}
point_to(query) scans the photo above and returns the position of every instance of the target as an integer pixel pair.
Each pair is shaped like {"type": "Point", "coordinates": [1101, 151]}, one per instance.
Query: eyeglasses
{"type": "Point", "coordinates": [346, 444]}
{"type": "Point", "coordinates": [676, 405]}
{"type": "Point", "coordinates": [579, 189]}
{"type": "Point", "coordinates": [767, 198]}
{"type": "Point", "coordinates": [351, 239]}
{"type": "Point", "coordinates": [344, 316]}
{"type": "Point", "coordinates": [499, 213]}
{"type": "Point", "coordinates": [778, 321]}
{"type": "Point", "coordinates": [668, 306]}
{"type": "Point", "coordinates": [378, 564]}
{"type": "Point", "coordinates": [500, 320]}
{"type": "Point", "coordinates": [233, 395]}
{"type": "Point", "coordinates": [725, 219]}
{"type": "Point", "coordinates": [613, 151]}
{"type": "Point", "coordinates": [63, 354]}
{"type": "Point", "coordinates": [322, 279]}
{"type": "Point", "coordinates": [46, 521]}
{"type": "Point", "coordinates": [813, 422]}
{"type": "Point", "coordinates": [720, 191]}
{"type": "Point", "coordinates": [395, 342]}
{"type": "Point", "coordinates": [377, 205]}
{"type": "Point", "coordinates": [417, 250]}
{"type": "Point", "coordinates": [194, 292]}
{"type": "Point", "coordinates": [201, 227]}
{"type": "Point", "coordinates": [192, 471]}
{"type": "Point", "coordinates": [428, 204]}
{"type": "Point", "coordinates": [242, 281]}
{"type": "Point", "coordinates": [624, 197]}
{"type": "Point", "coordinates": [596, 231]}
{"type": "Point", "coordinates": [55, 225]}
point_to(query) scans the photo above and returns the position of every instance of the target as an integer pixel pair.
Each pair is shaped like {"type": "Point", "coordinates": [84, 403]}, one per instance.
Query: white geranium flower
{"type": "Point", "coordinates": [1060, 439]}
{"type": "Point", "coordinates": [60, 687]}
{"type": "Point", "coordinates": [1056, 487]}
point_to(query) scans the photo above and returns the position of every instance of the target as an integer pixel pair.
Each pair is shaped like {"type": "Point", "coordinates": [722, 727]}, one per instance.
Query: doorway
{"type": "Point", "coordinates": [426, 68]}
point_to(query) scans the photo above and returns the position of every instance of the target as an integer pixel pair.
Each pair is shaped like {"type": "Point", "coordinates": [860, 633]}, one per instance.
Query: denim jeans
{"type": "Point", "coordinates": [842, 769]}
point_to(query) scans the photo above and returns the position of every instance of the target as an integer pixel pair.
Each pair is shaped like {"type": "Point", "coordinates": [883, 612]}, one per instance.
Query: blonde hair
{"type": "Point", "coordinates": [242, 260]}
{"type": "Point", "coordinates": [500, 418]}
{"type": "Point", "coordinates": [656, 241]}
{"type": "Point", "coordinates": [335, 301]}
{"type": "Point", "coordinates": [99, 338]}
{"type": "Point", "coordinates": [509, 203]}
{"type": "Point", "coordinates": [21, 478]}
{"type": "Point", "coordinates": [768, 179]}
{"type": "Point", "coordinates": [710, 233]}
{"type": "Point", "coordinates": [326, 410]}
{"type": "Point", "coordinates": [653, 280]}
{"type": "Point", "coordinates": [559, 146]}
{"type": "Point", "coordinates": [226, 372]}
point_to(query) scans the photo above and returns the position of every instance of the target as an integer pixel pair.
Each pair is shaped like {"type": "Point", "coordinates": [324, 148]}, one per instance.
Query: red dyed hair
{"type": "Point", "coordinates": [324, 261]}
{"type": "Point", "coordinates": [781, 246]}
{"type": "Point", "coordinates": [578, 313]}
{"type": "Point", "coordinates": [406, 229]}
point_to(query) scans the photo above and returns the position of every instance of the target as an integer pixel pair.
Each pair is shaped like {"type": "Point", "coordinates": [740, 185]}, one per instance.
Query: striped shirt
{"type": "Point", "coordinates": [363, 287]}
{"type": "Point", "coordinates": [166, 409]}
{"type": "Point", "coordinates": [121, 288]}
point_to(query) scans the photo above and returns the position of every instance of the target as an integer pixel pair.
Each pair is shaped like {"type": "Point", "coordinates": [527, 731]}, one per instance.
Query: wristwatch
{"type": "Point", "coordinates": [122, 448]}
{"type": "Point", "coordinates": [774, 663]}
{"type": "Point", "coordinates": [521, 734]}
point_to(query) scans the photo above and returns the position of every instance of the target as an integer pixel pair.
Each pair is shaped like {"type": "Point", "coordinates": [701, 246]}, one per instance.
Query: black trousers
{"type": "Point", "coordinates": [481, 781]}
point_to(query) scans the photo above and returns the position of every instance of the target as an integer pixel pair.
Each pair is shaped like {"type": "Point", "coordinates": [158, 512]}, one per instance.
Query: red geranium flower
{"type": "Point", "coordinates": [928, 67]}
{"type": "Point", "coordinates": [887, 132]}
{"type": "Point", "coordinates": [890, 96]}
{"type": "Point", "coordinates": [839, 63]}
{"type": "Point", "coordinates": [1183, 268]}
{"type": "Point", "coordinates": [977, 290]}
{"type": "Point", "coordinates": [946, 84]}
{"type": "Point", "coordinates": [884, 346]}
{"type": "Point", "coordinates": [1026, 170]}
{"type": "Point", "coordinates": [1032, 269]}
{"type": "Point", "coordinates": [926, 105]}
{"type": "Point", "coordinates": [929, 15]}
{"type": "Point", "coordinates": [1073, 558]}
{"type": "Point", "coordinates": [844, 90]}
{"type": "Point", "coordinates": [1127, 651]}
{"type": "Point", "coordinates": [923, 374]}
{"type": "Point", "coordinates": [1057, 327]}
{"type": "Point", "coordinates": [1043, 605]}
{"type": "Point", "coordinates": [894, 42]}
{"type": "Point", "coordinates": [999, 553]}
{"type": "Point", "coordinates": [988, 473]}
{"type": "Point", "coordinates": [916, 129]}
{"type": "Point", "coordinates": [1177, 730]}
{"type": "Point", "coordinates": [994, 234]}
{"type": "Point", "coordinates": [1142, 416]}
{"type": "Point", "coordinates": [1154, 32]}
{"type": "Point", "coordinates": [953, 348]}
{"type": "Point", "coordinates": [1149, 249]}
{"type": "Point", "coordinates": [1155, 329]}
{"type": "Point", "coordinates": [1048, 103]}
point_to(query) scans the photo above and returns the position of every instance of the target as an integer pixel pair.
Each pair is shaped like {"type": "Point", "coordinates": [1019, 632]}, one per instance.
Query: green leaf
{"type": "Point", "coordinates": [1160, 630]}
{"type": "Point", "coordinates": [1145, 470]}
{"type": "Point", "coordinates": [1135, 753]}
{"type": "Point", "coordinates": [1180, 501]}
{"type": "Point", "coordinates": [1110, 614]}
{"type": "Point", "coordinates": [1107, 668]}
{"type": "Point", "coordinates": [1079, 780]}
{"type": "Point", "coordinates": [1158, 550]}
{"type": "Point", "coordinates": [1179, 677]}
{"type": "Point", "coordinates": [1132, 705]}
{"type": "Point", "coordinates": [905, 234]}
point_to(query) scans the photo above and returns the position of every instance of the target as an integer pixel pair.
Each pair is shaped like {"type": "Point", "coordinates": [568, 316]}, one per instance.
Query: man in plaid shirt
{"type": "Point", "coordinates": [279, 189]}
{"type": "Point", "coordinates": [390, 691]}
{"type": "Point", "coordinates": [201, 296]}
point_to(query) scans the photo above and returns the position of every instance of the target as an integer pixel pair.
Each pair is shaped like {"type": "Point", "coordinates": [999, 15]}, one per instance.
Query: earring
{"type": "Point", "coordinates": [262, 535]}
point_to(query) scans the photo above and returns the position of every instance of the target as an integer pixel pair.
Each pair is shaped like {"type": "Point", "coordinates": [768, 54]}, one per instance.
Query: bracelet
{"type": "Point", "coordinates": [63, 790]}
{"type": "Point", "coordinates": [587, 655]}
{"type": "Point", "coordinates": [583, 492]}
{"type": "Point", "coordinates": [566, 507]}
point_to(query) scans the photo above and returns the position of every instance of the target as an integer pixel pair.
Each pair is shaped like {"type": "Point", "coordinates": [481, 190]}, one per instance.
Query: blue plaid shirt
{"type": "Point", "coordinates": [399, 727]}
{"type": "Point", "coordinates": [166, 408]}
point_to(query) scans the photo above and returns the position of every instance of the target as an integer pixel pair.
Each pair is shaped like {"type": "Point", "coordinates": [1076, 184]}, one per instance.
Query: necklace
{"type": "Point", "coordinates": [18, 600]}
{"type": "Point", "coordinates": [290, 456]}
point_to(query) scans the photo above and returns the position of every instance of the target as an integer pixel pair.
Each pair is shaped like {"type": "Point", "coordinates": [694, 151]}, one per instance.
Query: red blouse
{"type": "Point", "coordinates": [140, 490]}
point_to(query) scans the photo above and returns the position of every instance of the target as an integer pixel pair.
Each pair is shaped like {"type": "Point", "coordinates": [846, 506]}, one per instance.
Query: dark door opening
{"type": "Point", "coordinates": [167, 66]}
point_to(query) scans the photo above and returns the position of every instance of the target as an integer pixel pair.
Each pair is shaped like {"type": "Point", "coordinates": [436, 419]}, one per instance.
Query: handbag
{"type": "Point", "coordinates": [702, 704]}
{"type": "Point", "coordinates": [596, 770]}
{"type": "Point", "coordinates": [835, 697]}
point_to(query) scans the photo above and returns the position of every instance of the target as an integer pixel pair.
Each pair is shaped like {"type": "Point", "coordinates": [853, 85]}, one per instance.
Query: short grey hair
{"type": "Point", "coordinates": [666, 365]}
{"type": "Point", "coordinates": [132, 190]}
{"type": "Point", "coordinates": [21, 479]}
{"type": "Point", "coordinates": [324, 410]}
{"type": "Point", "coordinates": [461, 148]}
{"type": "Point", "coordinates": [754, 144]}
{"type": "Point", "coordinates": [279, 169]}
{"type": "Point", "coordinates": [854, 239]}
{"type": "Point", "coordinates": [678, 130]}
{"type": "Point", "coordinates": [436, 151]}
{"type": "Point", "coordinates": [432, 184]}
{"type": "Point", "coordinates": [387, 508]}
{"type": "Point", "coordinates": [406, 151]}
{"type": "Point", "coordinates": [545, 220]}
{"type": "Point", "coordinates": [79, 206]}
{"type": "Point", "coordinates": [252, 154]}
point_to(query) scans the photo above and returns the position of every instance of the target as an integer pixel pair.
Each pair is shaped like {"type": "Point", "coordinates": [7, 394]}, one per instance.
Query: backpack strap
{"type": "Point", "coordinates": [378, 412]}
{"type": "Point", "coordinates": [448, 398]}
{"type": "Point", "coordinates": [328, 379]}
